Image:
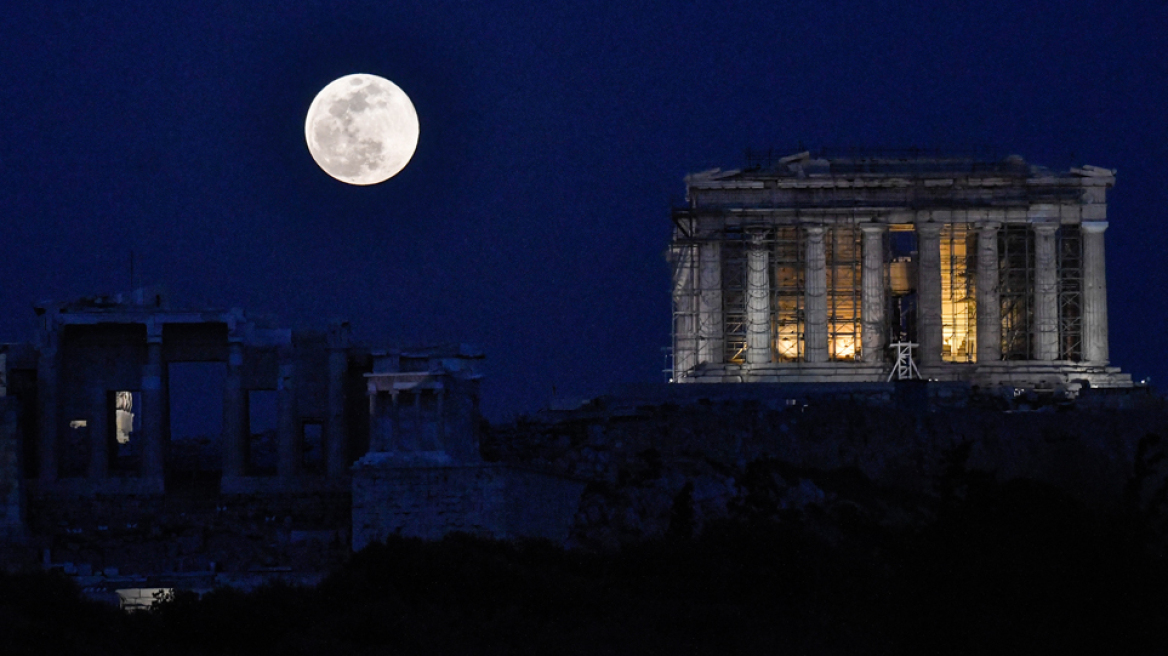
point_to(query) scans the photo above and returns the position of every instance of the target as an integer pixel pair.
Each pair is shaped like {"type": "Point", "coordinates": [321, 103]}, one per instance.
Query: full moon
{"type": "Point", "coordinates": [361, 129]}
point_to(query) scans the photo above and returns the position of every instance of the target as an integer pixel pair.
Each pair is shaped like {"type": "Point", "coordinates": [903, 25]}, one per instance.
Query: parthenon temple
{"type": "Point", "coordinates": [823, 268]}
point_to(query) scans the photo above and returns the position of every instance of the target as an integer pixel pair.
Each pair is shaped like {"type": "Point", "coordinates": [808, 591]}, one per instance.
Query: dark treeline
{"type": "Point", "coordinates": [1015, 567]}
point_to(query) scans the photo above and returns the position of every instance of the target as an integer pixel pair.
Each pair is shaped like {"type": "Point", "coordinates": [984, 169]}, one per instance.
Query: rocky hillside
{"type": "Point", "coordinates": [671, 469]}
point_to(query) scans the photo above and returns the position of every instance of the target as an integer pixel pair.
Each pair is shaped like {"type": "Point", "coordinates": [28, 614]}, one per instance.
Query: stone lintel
{"type": "Point", "coordinates": [1043, 212]}
{"type": "Point", "coordinates": [1094, 213]}
{"type": "Point", "coordinates": [929, 228]}
{"type": "Point", "coordinates": [393, 383]}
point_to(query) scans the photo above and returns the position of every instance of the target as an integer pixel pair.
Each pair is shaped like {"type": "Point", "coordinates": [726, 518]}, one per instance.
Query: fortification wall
{"type": "Point", "coordinates": [191, 531]}
{"type": "Point", "coordinates": [650, 461]}
{"type": "Point", "coordinates": [430, 501]}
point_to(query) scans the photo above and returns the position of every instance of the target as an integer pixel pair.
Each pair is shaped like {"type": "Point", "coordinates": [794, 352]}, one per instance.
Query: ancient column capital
{"type": "Point", "coordinates": [339, 334]}
{"type": "Point", "coordinates": [1094, 226]}
{"type": "Point", "coordinates": [48, 339]}
{"type": "Point", "coordinates": [153, 331]}
{"type": "Point", "coordinates": [234, 354]}
{"type": "Point", "coordinates": [757, 234]}
{"type": "Point", "coordinates": [988, 226]}
{"type": "Point", "coordinates": [874, 228]}
{"type": "Point", "coordinates": [1045, 228]}
{"type": "Point", "coordinates": [815, 232]}
{"type": "Point", "coordinates": [929, 229]}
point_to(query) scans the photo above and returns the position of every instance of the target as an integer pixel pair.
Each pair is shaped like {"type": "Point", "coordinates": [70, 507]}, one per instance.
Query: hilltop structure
{"type": "Point", "coordinates": [97, 478]}
{"type": "Point", "coordinates": [813, 268]}
{"type": "Point", "coordinates": [94, 396]}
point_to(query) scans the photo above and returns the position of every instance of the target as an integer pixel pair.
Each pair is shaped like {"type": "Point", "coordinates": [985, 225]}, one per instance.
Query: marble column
{"type": "Point", "coordinates": [288, 445]}
{"type": "Point", "coordinates": [758, 300]}
{"type": "Point", "coordinates": [235, 425]}
{"type": "Point", "coordinates": [1045, 292]}
{"type": "Point", "coordinates": [989, 307]}
{"type": "Point", "coordinates": [929, 334]}
{"type": "Point", "coordinates": [685, 330]}
{"type": "Point", "coordinates": [1095, 348]}
{"type": "Point", "coordinates": [99, 428]}
{"type": "Point", "coordinates": [440, 426]}
{"type": "Point", "coordinates": [815, 296]}
{"type": "Point", "coordinates": [873, 303]}
{"type": "Point", "coordinates": [153, 408]}
{"type": "Point", "coordinates": [48, 386]}
{"type": "Point", "coordinates": [711, 347]}
{"type": "Point", "coordinates": [336, 447]}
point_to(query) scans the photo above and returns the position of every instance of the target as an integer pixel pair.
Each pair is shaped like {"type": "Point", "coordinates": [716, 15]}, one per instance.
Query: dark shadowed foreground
{"type": "Point", "coordinates": [1018, 565]}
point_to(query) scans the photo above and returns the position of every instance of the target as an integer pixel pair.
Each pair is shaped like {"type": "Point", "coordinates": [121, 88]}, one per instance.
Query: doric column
{"type": "Point", "coordinates": [335, 434]}
{"type": "Point", "coordinates": [989, 308]}
{"type": "Point", "coordinates": [153, 407]}
{"type": "Point", "coordinates": [98, 431]}
{"type": "Point", "coordinates": [758, 300]}
{"type": "Point", "coordinates": [1095, 348]}
{"type": "Point", "coordinates": [815, 296]}
{"type": "Point", "coordinates": [440, 427]}
{"type": "Point", "coordinates": [873, 301]}
{"type": "Point", "coordinates": [685, 329]}
{"type": "Point", "coordinates": [288, 444]}
{"type": "Point", "coordinates": [48, 384]}
{"type": "Point", "coordinates": [396, 441]}
{"type": "Point", "coordinates": [711, 347]}
{"type": "Point", "coordinates": [405, 438]}
{"type": "Point", "coordinates": [235, 428]}
{"type": "Point", "coordinates": [929, 334]}
{"type": "Point", "coordinates": [1045, 292]}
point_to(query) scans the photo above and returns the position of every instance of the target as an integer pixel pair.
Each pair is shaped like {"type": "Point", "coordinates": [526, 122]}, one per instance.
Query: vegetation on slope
{"type": "Point", "coordinates": [1016, 565]}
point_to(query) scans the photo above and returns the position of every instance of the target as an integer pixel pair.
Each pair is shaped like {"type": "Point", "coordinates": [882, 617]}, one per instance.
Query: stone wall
{"type": "Point", "coordinates": [192, 531]}
{"type": "Point", "coordinates": [11, 494]}
{"type": "Point", "coordinates": [431, 501]}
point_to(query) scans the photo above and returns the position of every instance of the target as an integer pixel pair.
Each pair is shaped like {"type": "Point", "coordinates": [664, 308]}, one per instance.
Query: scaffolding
{"type": "Point", "coordinates": [904, 368]}
{"type": "Point", "coordinates": [900, 252]}
{"type": "Point", "coordinates": [685, 307]}
{"type": "Point", "coordinates": [683, 256]}
{"type": "Point", "coordinates": [1070, 293]}
{"type": "Point", "coordinates": [844, 290]}
{"type": "Point", "coordinates": [787, 288]}
{"type": "Point", "coordinates": [1015, 287]}
{"type": "Point", "coordinates": [958, 293]}
{"type": "Point", "coordinates": [734, 249]}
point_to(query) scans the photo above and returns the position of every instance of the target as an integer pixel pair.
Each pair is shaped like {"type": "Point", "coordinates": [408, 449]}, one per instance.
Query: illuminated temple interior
{"type": "Point", "coordinates": [809, 268]}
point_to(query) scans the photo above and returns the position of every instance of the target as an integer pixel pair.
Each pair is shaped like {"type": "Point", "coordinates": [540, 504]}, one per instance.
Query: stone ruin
{"type": "Point", "coordinates": [360, 443]}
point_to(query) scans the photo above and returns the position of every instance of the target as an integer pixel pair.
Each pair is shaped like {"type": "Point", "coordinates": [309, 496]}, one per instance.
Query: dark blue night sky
{"type": "Point", "coordinates": [533, 218]}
